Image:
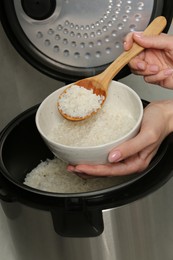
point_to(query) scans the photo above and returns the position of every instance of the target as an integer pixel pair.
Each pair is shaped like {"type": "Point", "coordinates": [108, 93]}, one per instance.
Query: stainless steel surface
{"type": "Point", "coordinates": [86, 33]}
{"type": "Point", "coordinates": [140, 230]}
{"type": "Point", "coordinates": [21, 86]}
{"type": "Point", "coordinates": [6, 244]}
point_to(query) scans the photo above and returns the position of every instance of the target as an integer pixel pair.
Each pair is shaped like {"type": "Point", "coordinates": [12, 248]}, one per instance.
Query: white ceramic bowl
{"type": "Point", "coordinates": [48, 117]}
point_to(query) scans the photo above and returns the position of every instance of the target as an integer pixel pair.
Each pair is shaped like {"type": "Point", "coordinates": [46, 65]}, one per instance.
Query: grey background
{"type": "Point", "coordinates": [22, 86]}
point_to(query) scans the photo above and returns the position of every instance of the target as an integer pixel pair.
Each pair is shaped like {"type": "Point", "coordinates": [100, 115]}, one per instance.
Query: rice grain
{"type": "Point", "coordinates": [52, 176]}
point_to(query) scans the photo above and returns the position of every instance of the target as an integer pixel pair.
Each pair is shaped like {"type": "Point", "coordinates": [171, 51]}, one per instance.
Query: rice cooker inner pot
{"type": "Point", "coordinates": [73, 39]}
{"type": "Point", "coordinates": [77, 214]}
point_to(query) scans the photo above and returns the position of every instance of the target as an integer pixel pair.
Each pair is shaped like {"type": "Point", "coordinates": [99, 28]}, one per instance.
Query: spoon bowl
{"type": "Point", "coordinates": [99, 84]}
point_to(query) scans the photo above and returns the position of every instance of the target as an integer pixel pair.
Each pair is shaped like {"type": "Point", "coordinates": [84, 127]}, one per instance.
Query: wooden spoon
{"type": "Point", "coordinates": [100, 82]}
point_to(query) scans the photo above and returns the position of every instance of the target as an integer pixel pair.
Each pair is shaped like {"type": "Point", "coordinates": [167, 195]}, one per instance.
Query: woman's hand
{"type": "Point", "coordinates": [155, 63]}
{"type": "Point", "coordinates": [135, 155]}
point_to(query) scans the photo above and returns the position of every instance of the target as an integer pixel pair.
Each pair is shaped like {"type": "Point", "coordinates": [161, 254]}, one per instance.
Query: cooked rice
{"type": "Point", "coordinates": [79, 102]}
{"type": "Point", "coordinates": [52, 176]}
{"type": "Point", "coordinates": [112, 122]}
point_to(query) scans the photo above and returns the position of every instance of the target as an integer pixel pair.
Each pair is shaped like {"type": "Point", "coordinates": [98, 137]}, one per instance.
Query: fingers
{"type": "Point", "coordinates": [140, 67]}
{"type": "Point", "coordinates": [131, 165]}
{"type": "Point", "coordinates": [148, 64]}
{"type": "Point", "coordinates": [128, 41]}
{"type": "Point", "coordinates": [161, 78]}
{"type": "Point", "coordinates": [161, 42]}
{"type": "Point", "coordinates": [135, 154]}
{"type": "Point", "coordinates": [155, 62]}
{"type": "Point", "coordinates": [124, 161]}
{"type": "Point", "coordinates": [135, 145]}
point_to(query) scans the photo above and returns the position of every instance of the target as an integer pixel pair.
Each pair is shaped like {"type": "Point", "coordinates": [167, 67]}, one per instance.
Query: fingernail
{"type": "Point", "coordinates": [168, 72]}
{"type": "Point", "coordinates": [141, 66]}
{"type": "Point", "coordinates": [114, 156]}
{"type": "Point", "coordinates": [70, 168]}
{"type": "Point", "coordinates": [125, 45]}
{"type": "Point", "coordinates": [138, 34]}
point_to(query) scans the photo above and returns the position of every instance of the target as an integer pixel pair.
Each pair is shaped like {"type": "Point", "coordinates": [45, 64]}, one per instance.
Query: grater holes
{"type": "Point", "coordinates": [138, 17]}
{"type": "Point", "coordinates": [50, 31]}
{"type": "Point", "coordinates": [125, 18]}
{"type": "Point", "coordinates": [128, 9]}
{"type": "Point", "coordinates": [132, 27]}
{"type": "Point", "coordinates": [82, 45]}
{"type": "Point", "coordinates": [56, 48]}
{"type": "Point", "coordinates": [120, 26]}
{"type": "Point", "coordinates": [57, 37]}
{"type": "Point", "coordinates": [77, 55]}
{"type": "Point", "coordinates": [91, 44]}
{"type": "Point", "coordinates": [87, 56]}
{"type": "Point", "coordinates": [66, 53]}
{"type": "Point", "coordinates": [65, 41]}
{"type": "Point", "coordinates": [140, 6]}
{"type": "Point", "coordinates": [73, 44]}
{"type": "Point", "coordinates": [47, 42]}
{"type": "Point", "coordinates": [108, 51]}
{"type": "Point", "coordinates": [39, 35]}
{"type": "Point", "coordinates": [98, 54]}
{"type": "Point", "coordinates": [117, 45]}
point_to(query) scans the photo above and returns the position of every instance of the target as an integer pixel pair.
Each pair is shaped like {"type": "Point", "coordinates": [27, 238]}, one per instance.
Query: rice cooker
{"type": "Point", "coordinates": [67, 40]}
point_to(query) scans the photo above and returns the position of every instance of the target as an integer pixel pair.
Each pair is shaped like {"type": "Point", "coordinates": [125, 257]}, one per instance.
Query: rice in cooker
{"type": "Point", "coordinates": [52, 176]}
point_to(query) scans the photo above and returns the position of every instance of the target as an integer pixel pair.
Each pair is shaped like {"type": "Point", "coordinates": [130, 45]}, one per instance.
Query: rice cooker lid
{"type": "Point", "coordinates": [82, 33]}
{"type": "Point", "coordinates": [70, 39]}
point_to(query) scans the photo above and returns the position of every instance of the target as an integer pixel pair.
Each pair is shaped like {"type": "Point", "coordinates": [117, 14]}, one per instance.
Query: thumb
{"type": "Point", "coordinates": [130, 147]}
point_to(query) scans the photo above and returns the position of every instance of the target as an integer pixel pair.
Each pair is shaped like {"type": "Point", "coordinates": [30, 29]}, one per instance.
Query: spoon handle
{"type": "Point", "coordinates": [154, 28]}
